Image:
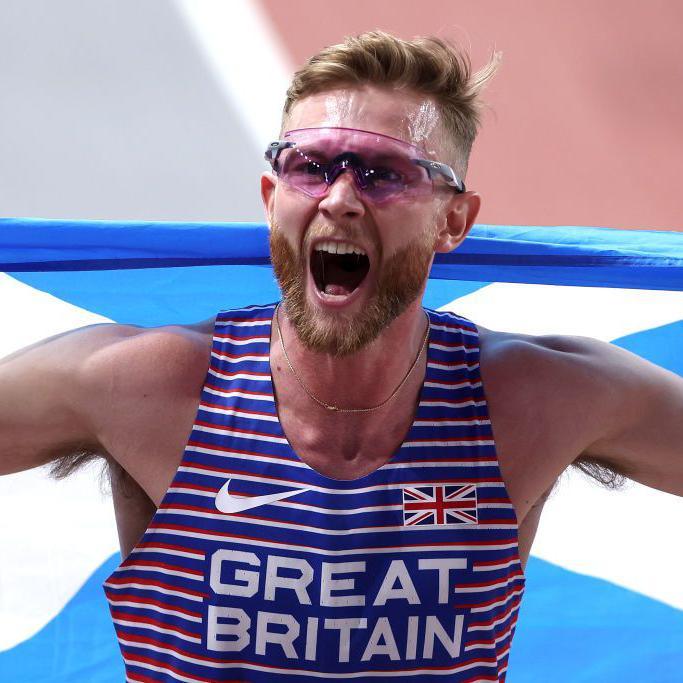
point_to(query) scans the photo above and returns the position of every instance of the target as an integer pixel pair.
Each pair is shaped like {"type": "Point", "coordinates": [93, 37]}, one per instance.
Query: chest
{"type": "Point", "coordinates": [159, 448]}
{"type": "Point", "coordinates": [523, 426]}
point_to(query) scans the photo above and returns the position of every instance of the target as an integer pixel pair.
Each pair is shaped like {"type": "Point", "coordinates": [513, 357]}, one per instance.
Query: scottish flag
{"type": "Point", "coordinates": [604, 599]}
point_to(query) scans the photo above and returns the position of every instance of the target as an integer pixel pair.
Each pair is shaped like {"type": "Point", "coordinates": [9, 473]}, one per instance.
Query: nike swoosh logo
{"type": "Point", "coordinates": [229, 504]}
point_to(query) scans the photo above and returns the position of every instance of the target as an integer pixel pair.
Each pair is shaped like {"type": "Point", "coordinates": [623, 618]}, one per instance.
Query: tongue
{"type": "Point", "coordinates": [337, 290]}
{"type": "Point", "coordinates": [339, 280]}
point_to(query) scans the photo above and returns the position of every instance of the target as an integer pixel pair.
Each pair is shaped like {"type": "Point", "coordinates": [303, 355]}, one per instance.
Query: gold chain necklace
{"type": "Point", "coordinates": [328, 406]}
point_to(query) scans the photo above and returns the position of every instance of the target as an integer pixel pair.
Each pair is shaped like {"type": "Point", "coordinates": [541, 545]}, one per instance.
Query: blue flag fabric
{"type": "Point", "coordinates": [584, 619]}
{"type": "Point", "coordinates": [597, 257]}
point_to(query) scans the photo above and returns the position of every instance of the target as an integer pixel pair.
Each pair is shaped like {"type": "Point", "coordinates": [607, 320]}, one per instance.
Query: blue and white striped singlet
{"type": "Point", "coordinates": [258, 568]}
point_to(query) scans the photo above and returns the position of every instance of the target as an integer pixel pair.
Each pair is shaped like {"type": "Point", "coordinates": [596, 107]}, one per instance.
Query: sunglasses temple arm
{"type": "Point", "coordinates": [273, 151]}
{"type": "Point", "coordinates": [444, 170]}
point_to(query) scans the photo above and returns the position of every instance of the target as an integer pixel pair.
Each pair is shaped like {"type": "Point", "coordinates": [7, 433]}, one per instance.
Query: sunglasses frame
{"type": "Point", "coordinates": [435, 169]}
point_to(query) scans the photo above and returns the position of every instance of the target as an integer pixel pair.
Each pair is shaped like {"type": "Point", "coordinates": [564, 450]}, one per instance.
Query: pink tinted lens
{"type": "Point", "coordinates": [383, 168]}
{"type": "Point", "coordinates": [305, 170]}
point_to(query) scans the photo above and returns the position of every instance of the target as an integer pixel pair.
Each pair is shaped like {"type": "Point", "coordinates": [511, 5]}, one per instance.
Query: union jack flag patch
{"type": "Point", "coordinates": [441, 504]}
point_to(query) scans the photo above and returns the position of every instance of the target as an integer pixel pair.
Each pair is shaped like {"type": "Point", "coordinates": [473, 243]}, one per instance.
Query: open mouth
{"type": "Point", "coordinates": [338, 268]}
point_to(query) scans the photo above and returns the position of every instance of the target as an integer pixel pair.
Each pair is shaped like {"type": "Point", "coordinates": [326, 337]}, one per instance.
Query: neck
{"type": "Point", "coordinates": [357, 381]}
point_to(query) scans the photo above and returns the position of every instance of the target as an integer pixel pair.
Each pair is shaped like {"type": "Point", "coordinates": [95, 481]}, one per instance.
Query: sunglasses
{"type": "Point", "coordinates": [384, 169]}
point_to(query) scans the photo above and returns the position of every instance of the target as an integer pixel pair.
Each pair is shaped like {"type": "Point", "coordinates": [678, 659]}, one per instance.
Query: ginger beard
{"type": "Point", "coordinates": [399, 283]}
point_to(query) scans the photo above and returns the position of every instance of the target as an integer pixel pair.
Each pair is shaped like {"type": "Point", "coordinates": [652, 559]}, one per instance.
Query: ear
{"type": "Point", "coordinates": [268, 185]}
{"type": "Point", "coordinates": [456, 219]}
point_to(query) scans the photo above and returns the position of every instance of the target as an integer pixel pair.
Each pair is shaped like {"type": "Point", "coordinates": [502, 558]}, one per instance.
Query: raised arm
{"type": "Point", "coordinates": [44, 398]}
{"type": "Point", "coordinates": [638, 411]}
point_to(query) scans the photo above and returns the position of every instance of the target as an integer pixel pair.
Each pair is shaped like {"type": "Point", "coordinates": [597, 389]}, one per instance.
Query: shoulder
{"type": "Point", "coordinates": [564, 370]}
{"type": "Point", "coordinates": [578, 360]}
{"type": "Point", "coordinates": [95, 357]}
{"type": "Point", "coordinates": [548, 397]}
{"type": "Point", "coordinates": [547, 379]}
{"type": "Point", "coordinates": [126, 357]}
{"type": "Point", "coordinates": [581, 383]}
{"type": "Point", "coordinates": [554, 354]}
{"type": "Point", "coordinates": [139, 388]}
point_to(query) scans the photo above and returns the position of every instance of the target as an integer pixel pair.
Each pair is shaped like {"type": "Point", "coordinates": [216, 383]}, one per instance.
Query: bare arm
{"type": "Point", "coordinates": [44, 398]}
{"type": "Point", "coordinates": [638, 408]}
{"type": "Point", "coordinates": [127, 393]}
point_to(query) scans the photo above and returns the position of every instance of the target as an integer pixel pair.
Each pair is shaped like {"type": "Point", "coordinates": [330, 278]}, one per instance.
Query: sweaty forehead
{"type": "Point", "coordinates": [399, 114]}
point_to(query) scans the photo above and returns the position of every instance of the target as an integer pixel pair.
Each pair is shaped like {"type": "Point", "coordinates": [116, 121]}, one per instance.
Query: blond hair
{"type": "Point", "coordinates": [426, 66]}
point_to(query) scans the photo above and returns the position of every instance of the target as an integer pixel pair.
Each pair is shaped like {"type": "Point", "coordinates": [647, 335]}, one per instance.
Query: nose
{"type": "Point", "coordinates": [342, 200]}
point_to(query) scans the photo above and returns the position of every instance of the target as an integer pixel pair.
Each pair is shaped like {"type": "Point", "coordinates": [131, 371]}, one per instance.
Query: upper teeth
{"type": "Point", "coordinates": [339, 248]}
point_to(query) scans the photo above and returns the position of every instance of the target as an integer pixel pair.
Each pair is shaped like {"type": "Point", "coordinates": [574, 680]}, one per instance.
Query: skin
{"type": "Point", "coordinates": [95, 388]}
{"type": "Point", "coordinates": [345, 446]}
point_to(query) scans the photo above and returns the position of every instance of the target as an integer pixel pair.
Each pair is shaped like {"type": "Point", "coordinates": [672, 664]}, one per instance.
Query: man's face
{"type": "Point", "coordinates": [340, 302]}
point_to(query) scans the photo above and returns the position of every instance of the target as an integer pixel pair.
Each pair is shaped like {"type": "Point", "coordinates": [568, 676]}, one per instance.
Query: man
{"type": "Point", "coordinates": [328, 500]}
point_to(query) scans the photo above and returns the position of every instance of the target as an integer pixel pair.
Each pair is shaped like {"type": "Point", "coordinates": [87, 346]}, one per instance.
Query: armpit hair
{"type": "Point", "coordinates": [607, 474]}
{"type": "Point", "coordinates": [111, 474]}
